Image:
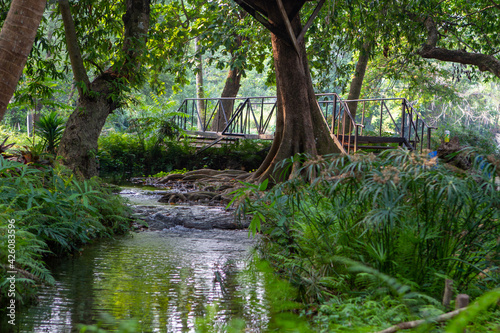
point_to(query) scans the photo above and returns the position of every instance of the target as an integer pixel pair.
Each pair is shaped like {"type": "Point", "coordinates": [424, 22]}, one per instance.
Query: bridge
{"type": "Point", "coordinates": [380, 123]}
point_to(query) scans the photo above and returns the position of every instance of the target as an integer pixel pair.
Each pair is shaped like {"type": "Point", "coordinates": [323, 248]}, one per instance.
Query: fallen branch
{"type": "Point", "coordinates": [412, 324]}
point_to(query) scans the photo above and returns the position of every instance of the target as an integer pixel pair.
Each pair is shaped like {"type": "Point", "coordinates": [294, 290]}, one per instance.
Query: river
{"type": "Point", "coordinates": [172, 280]}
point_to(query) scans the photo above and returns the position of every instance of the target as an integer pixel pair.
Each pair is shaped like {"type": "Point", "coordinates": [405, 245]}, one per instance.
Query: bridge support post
{"type": "Point", "coordinates": [403, 116]}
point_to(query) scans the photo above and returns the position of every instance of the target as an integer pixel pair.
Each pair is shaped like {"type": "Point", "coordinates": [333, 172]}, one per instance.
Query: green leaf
{"type": "Point", "coordinates": [263, 185]}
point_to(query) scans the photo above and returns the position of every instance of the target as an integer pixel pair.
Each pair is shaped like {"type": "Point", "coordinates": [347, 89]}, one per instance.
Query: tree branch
{"type": "Point", "coordinates": [310, 20]}
{"type": "Point", "coordinates": [432, 32]}
{"type": "Point", "coordinates": [495, 4]}
{"type": "Point", "coordinates": [136, 23]}
{"type": "Point", "coordinates": [484, 62]}
{"type": "Point", "coordinates": [288, 25]}
{"type": "Point", "coordinates": [258, 14]}
{"type": "Point", "coordinates": [79, 71]}
{"type": "Point", "coordinates": [461, 41]}
{"type": "Point", "coordinates": [185, 24]}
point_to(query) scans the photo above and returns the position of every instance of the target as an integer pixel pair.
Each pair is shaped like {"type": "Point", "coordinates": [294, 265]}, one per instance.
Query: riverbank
{"type": "Point", "coordinates": [375, 241]}
{"type": "Point", "coordinates": [45, 213]}
{"type": "Point", "coordinates": [205, 186]}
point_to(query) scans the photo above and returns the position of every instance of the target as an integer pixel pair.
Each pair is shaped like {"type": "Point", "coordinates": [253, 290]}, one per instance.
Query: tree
{"type": "Point", "coordinates": [97, 99]}
{"type": "Point", "coordinates": [231, 88]}
{"type": "Point", "coordinates": [228, 32]}
{"type": "Point", "coordinates": [300, 126]}
{"type": "Point", "coordinates": [225, 37]}
{"type": "Point", "coordinates": [16, 41]}
{"type": "Point", "coordinates": [200, 90]}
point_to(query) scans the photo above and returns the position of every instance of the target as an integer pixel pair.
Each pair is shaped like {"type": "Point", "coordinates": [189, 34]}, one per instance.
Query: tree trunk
{"type": "Point", "coordinates": [79, 71]}
{"type": "Point", "coordinates": [300, 127]}
{"type": "Point", "coordinates": [78, 146]}
{"type": "Point", "coordinates": [231, 88]}
{"type": "Point", "coordinates": [200, 93]}
{"type": "Point", "coordinates": [357, 80]}
{"type": "Point", "coordinates": [16, 41]}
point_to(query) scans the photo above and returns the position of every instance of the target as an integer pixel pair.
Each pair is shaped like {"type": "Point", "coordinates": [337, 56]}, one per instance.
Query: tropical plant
{"type": "Point", "coordinates": [4, 147]}
{"type": "Point", "coordinates": [50, 128]}
{"type": "Point", "coordinates": [53, 214]}
{"type": "Point", "coordinates": [401, 213]}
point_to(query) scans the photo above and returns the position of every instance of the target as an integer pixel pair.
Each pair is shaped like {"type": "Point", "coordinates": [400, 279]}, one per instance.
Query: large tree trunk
{"type": "Point", "coordinates": [16, 41]}
{"type": "Point", "coordinates": [300, 127]}
{"type": "Point", "coordinates": [78, 146]}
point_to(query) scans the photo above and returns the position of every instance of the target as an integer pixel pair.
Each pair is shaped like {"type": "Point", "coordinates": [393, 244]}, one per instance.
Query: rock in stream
{"type": "Point", "coordinates": [161, 216]}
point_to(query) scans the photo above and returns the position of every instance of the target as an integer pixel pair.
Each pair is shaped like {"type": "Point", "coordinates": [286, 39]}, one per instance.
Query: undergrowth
{"type": "Point", "coordinates": [364, 226]}
{"type": "Point", "coordinates": [54, 214]}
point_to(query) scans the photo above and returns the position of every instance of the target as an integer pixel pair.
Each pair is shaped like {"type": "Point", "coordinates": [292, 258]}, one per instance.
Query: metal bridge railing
{"type": "Point", "coordinates": [340, 121]}
{"type": "Point", "coordinates": [413, 127]}
{"type": "Point", "coordinates": [253, 117]}
{"type": "Point", "coordinates": [377, 117]}
{"type": "Point", "coordinates": [250, 116]}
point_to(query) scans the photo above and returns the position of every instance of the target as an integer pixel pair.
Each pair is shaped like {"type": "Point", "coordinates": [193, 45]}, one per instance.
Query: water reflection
{"type": "Point", "coordinates": [164, 279]}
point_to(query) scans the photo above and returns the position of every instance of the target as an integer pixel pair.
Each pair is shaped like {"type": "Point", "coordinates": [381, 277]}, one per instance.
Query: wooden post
{"type": "Point", "coordinates": [461, 301]}
{"type": "Point", "coordinates": [448, 292]}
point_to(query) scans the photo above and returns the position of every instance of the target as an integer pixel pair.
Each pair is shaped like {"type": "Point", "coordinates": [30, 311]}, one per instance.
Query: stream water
{"type": "Point", "coordinates": [168, 280]}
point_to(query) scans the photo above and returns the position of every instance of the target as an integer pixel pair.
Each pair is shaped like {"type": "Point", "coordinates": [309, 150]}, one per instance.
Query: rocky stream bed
{"type": "Point", "coordinates": [195, 199]}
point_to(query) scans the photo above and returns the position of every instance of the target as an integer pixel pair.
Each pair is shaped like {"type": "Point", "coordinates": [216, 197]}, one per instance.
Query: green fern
{"type": "Point", "coordinates": [54, 214]}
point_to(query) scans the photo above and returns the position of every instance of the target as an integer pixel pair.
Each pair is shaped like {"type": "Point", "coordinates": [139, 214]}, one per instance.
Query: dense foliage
{"type": "Point", "coordinates": [402, 216]}
{"type": "Point", "coordinates": [54, 214]}
{"type": "Point", "coordinates": [125, 155]}
{"type": "Point", "coordinates": [400, 223]}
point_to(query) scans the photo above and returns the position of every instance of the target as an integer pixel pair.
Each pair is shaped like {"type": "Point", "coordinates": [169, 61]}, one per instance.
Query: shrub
{"type": "Point", "coordinates": [402, 214]}
{"type": "Point", "coordinates": [128, 155]}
